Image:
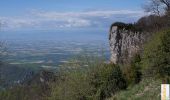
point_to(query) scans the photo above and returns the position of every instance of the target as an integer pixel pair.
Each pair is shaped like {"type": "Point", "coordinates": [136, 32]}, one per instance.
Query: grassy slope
{"type": "Point", "coordinates": [148, 89]}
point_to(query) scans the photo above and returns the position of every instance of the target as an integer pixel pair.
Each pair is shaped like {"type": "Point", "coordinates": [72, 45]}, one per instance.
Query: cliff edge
{"type": "Point", "coordinates": [125, 42]}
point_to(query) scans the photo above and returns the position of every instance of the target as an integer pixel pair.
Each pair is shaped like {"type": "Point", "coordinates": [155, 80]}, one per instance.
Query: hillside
{"type": "Point", "coordinates": [147, 89]}
{"type": "Point", "coordinates": [155, 65]}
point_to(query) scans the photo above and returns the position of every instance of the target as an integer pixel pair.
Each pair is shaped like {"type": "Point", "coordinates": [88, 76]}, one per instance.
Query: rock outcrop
{"type": "Point", "coordinates": [124, 44]}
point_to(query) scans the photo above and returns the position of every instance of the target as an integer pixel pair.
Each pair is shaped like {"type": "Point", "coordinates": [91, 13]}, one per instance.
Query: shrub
{"type": "Point", "coordinates": [132, 72]}
{"type": "Point", "coordinates": [156, 59]}
{"type": "Point", "coordinates": [32, 89]}
{"type": "Point", "coordinates": [23, 93]}
{"type": "Point", "coordinates": [96, 81]}
{"type": "Point", "coordinates": [108, 80]}
{"type": "Point", "coordinates": [71, 86]}
{"type": "Point", "coordinates": [74, 82]}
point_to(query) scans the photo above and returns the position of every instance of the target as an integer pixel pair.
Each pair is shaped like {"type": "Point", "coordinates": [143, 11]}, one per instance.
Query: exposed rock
{"type": "Point", "coordinates": [124, 44]}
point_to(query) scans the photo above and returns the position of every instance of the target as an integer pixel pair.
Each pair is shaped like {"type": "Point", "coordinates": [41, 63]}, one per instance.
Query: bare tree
{"type": "Point", "coordinates": [167, 8]}
{"type": "Point", "coordinates": [157, 6]}
{"type": "Point", "coordinates": [154, 7]}
{"type": "Point", "coordinates": [167, 3]}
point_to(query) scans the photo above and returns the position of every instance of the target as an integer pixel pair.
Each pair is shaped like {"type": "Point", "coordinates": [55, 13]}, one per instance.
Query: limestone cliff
{"type": "Point", "coordinates": [124, 44]}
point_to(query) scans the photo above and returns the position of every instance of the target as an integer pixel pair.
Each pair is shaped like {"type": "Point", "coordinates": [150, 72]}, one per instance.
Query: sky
{"type": "Point", "coordinates": [67, 14]}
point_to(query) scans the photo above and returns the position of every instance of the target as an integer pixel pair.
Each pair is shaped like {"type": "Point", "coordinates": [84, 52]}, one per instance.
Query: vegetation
{"type": "Point", "coordinates": [33, 89]}
{"type": "Point", "coordinates": [2, 51]}
{"type": "Point", "coordinates": [132, 72]}
{"type": "Point", "coordinates": [90, 78]}
{"type": "Point", "coordinates": [147, 89]}
{"type": "Point", "coordinates": [97, 82]}
{"type": "Point", "coordinates": [154, 66]}
{"type": "Point", "coordinates": [156, 61]}
{"type": "Point", "coordinates": [33, 92]}
{"type": "Point", "coordinates": [129, 27]}
{"type": "Point", "coordinates": [157, 6]}
{"type": "Point", "coordinates": [85, 78]}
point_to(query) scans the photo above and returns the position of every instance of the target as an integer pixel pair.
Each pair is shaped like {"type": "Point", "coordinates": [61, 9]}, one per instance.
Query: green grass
{"type": "Point", "coordinates": [147, 89]}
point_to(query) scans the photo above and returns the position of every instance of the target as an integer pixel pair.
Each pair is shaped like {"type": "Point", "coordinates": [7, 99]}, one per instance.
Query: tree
{"type": "Point", "coordinates": [160, 15]}
{"type": "Point", "coordinates": [156, 56]}
{"type": "Point", "coordinates": [167, 3]}
{"type": "Point", "coordinates": [158, 6]}
{"type": "Point", "coordinates": [132, 71]}
{"type": "Point", "coordinates": [153, 7]}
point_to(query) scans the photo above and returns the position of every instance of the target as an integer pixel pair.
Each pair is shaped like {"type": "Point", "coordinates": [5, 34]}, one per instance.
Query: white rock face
{"type": "Point", "coordinates": [124, 44]}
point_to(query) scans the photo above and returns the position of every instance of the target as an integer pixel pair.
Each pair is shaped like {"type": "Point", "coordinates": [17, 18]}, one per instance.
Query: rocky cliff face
{"type": "Point", "coordinates": [124, 44]}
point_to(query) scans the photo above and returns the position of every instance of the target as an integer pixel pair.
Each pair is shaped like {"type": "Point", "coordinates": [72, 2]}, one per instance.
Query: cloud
{"type": "Point", "coordinates": [54, 20]}
{"type": "Point", "coordinates": [109, 13]}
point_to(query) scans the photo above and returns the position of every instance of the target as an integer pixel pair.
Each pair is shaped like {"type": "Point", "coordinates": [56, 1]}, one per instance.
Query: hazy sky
{"type": "Point", "coordinates": [62, 14]}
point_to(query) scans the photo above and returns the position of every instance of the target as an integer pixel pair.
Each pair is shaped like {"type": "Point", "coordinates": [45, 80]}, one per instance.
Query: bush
{"type": "Point", "coordinates": [156, 59]}
{"type": "Point", "coordinates": [23, 93]}
{"type": "Point", "coordinates": [96, 81]}
{"type": "Point", "coordinates": [31, 89]}
{"type": "Point", "coordinates": [132, 72]}
{"type": "Point", "coordinates": [108, 80]}
{"type": "Point", "coordinates": [74, 86]}
{"type": "Point", "coordinates": [74, 82]}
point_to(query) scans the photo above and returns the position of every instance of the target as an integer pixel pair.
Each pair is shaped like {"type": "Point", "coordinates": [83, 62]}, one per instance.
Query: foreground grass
{"type": "Point", "coordinates": [147, 89]}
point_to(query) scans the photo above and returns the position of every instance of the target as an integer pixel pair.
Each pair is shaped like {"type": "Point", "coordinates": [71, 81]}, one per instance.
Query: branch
{"type": "Point", "coordinates": [166, 2]}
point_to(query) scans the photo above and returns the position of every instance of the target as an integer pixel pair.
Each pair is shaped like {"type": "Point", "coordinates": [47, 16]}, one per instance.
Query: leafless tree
{"type": "Point", "coordinates": [167, 9]}
{"type": "Point", "coordinates": [167, 3]}
{"type": "Point", "coordinates": [157, 6]}
{"type": "Point", "coordinates": [154, 7]}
